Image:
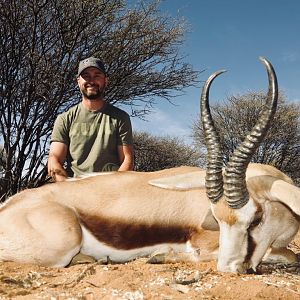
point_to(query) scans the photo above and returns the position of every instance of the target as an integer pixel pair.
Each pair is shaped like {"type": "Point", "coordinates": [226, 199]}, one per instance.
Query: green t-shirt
{"type": "Point", "coordinates": [92, 137]}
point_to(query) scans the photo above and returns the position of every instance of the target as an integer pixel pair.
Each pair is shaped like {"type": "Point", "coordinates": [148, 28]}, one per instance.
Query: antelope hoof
{"type": "Point", "coordinates": [81, 259]}
{"type": "Point", "coordinates": [161, 256]}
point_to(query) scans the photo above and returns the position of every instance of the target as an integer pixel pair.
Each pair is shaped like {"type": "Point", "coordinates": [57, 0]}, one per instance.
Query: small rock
{"type": "Point", "coordinates": [180, 288]}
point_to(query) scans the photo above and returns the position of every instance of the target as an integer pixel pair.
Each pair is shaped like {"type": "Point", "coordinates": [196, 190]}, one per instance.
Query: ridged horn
{"type": "Point", "coordinates": [214, 177]}
{"type": "Point", "coordinates": [235, 189]}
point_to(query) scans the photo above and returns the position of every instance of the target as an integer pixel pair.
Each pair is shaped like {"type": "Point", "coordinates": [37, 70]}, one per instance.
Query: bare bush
{"type": "Point", "coordinates": [154, 153]}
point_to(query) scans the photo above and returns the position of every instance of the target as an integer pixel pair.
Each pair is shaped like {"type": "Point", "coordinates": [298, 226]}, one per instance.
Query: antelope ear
{"type": "Point", "coordinates": [187, 181]}
{"type": "Point", "coordinates": [286, 193]}
{"type": "Point", "coordinates": [209, 222]}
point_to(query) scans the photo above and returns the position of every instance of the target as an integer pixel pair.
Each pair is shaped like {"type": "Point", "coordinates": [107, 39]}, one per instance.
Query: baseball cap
{"type": "Point", "coordinates": [91, 62]}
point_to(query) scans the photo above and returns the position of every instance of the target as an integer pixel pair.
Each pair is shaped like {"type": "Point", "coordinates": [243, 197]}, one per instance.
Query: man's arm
{"type": "Point", "coordinates": [57, 155]}
{"type": "Point", "coordinates": [126, 157]}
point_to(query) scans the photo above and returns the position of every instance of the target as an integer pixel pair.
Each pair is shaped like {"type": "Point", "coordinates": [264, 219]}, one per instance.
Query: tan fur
{"type": "Point", "coordinates": [260, 186]}
{"type": "Point", "coordinates": [196, 178]}
{"type": "Point", "coordinates": [260, 170]}
{"type": "Point", "coordinates": [44, 225]}
{"type": "Point", "coordinates": [281, 255]}
{"type": "Point", "coordinates": [121, 204]}
{"type": "Point", "coordinates": [224, 213]}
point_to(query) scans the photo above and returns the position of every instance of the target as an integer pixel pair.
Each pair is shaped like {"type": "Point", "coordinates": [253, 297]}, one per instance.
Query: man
{"type": "Point", "coordinates": [93, 135]}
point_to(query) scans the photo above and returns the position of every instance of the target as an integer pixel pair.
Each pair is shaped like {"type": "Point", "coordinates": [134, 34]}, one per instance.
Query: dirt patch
{"type": "Point", "coordinates": [138, 281]}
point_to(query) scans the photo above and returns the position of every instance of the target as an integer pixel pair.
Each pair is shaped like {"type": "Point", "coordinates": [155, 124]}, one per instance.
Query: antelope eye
{"type": "Point", "coordinates": [255, 223]}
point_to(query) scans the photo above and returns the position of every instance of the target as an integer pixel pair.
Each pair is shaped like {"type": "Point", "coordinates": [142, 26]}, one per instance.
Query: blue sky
{"type": "Point", "coordinates": [231, 35]}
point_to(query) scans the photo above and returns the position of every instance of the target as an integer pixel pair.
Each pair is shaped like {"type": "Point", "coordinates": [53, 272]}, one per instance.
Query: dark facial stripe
{"type": "Point", "coordinates": [121, 235]}
{"type": "Point", "coordinates": [251, 243]}
{"type": "Point", "coordinates": [251, 247]}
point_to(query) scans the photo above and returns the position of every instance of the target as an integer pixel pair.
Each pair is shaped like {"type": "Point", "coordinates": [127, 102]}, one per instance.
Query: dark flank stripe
{"type": "Point", "coordinates": [120, 235]}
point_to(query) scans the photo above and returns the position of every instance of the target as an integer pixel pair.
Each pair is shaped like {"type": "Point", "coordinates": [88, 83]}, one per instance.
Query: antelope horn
{"type": "Point", "coordinates": [235, 189]}
{"type": "Point", "coordinates": [214, 177]}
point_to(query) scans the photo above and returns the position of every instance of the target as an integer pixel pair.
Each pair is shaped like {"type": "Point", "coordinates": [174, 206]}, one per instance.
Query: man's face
{"type": "Point", "coordinates": [92, 83]}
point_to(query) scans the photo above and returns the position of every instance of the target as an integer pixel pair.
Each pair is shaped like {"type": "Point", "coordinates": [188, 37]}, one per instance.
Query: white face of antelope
{"type": "Point", "coordinates": [246, 234]}
{"type": "Point", "coordinates": [236, 243]}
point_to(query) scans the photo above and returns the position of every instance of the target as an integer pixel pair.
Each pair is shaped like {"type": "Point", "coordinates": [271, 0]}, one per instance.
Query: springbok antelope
{"type": "Point", "coordinates": [125, 215]}
{"type": "Point", "coordinates": [257, 214]}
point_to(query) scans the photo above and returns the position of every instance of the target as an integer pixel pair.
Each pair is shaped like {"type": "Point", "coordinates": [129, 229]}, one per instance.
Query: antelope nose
{"type": "Point", "coordinates": [253, 271]}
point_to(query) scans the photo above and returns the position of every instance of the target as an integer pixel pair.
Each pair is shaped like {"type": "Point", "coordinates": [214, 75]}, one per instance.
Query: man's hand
{"type": "Point", "coordinates": [58, 174]}
{"type": "Point", "coordinates": [55, 170]}
{"type": "Point", "coordinates": [57, 155]}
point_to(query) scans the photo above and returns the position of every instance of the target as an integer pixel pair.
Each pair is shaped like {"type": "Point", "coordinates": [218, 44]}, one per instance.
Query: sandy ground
{"type": "Point", "coordinates": [138, 280]}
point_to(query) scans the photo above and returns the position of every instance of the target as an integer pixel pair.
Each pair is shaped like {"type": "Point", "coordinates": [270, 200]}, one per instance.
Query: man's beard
{"type": "Point", "coordinates": [93, 96]}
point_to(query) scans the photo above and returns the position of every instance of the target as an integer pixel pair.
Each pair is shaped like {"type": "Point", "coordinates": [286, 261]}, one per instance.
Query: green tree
{"type": "Point", "coordinates": [235, 118]}
{"type": "Point", "coordinates": [41, 43]}
{"type": "Point", "coordinates": [154, 153]}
